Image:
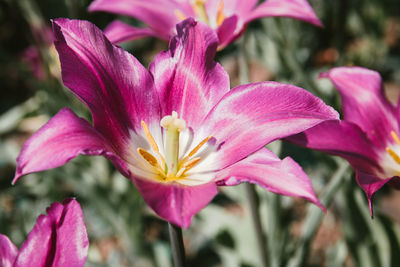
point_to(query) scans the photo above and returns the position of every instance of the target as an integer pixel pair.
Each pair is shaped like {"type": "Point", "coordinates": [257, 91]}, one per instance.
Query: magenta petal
{"type": "Point", "coordinates": [8, 252]}
{"type": "Point", "coordinates": [343, 139]}
{"type": "Point", "coordinates": [370, 184]}
{"type": "Point", "coordinates": [158, 14]}
{"type": "Point", "coordinates": [265, 169]}
{"type": "Point", "coordinates": [119, 32]}
{"type": "Point", "coordinates": [364, 102]}
{"type": "Point", "coordinates": [176, 203]}
{"type": "Point", "coordinates": [227, 32]}
{"type": "Point", "coordinates": [188, 79]}
{"type": "Point", "coordinates": [57, 239]}
{"type": "Point", "coordinates": [118, 90]}
{"type": "Point", "coordinates": [63, 138]}
{"type": "Point", "coordinates": [297, 9]}
{"type": "Point", "coordinates": [250, 116]}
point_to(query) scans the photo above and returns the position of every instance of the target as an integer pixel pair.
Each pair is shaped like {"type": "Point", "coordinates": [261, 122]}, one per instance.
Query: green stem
{"type": "Point", "coordinates": [255, 215]}
{"type": "Point", "coordinates": [250, 189]}
{"type": "Point", "coordinates": [177, 247]}
{"type": "Point", "coordinates": [315, 215]}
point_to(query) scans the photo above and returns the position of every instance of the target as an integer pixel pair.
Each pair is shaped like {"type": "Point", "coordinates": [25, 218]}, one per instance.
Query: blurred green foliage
{"type": "Point", "coordinates": [122, 230]}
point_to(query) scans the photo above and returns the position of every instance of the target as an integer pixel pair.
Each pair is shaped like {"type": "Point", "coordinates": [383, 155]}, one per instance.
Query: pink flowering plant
{"type": "Point", "coordinates": [368, 135]}
{"type": "Point", "coordinates": [228, 18]}
{"type": "Point", "coordinates": [57, 239]}
{"type": "Point", "coordinates": [176, 131]}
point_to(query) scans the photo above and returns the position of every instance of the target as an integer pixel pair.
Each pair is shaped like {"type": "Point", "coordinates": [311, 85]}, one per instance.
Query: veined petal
{"type": "Point", "coordinates": [61, 139]}
{"type": "Point", "coordinates": [57, 239]}
{"type": "Point", "coordinates": [8, 252]}
{"type": "Point", "coordinates": [364, 103]}
{"type": "Point", "coordinates": [251, 116]}
{"type": "Point", "coordinates": [118, 90]}
{"type": "Point", "coordinates": [187, 78]}
{"type": "Point", "coordinates": [158, 14]}
{"type": "Point", "coordinates": [341, 138]}
{"type": "Point", "coordinates": [296, 9]}
{"type": "Point", "coordinates": [265, 169]}
{"type": "Point", "coordinates": [119, 32]}
{"type": "Point", "coordinates": [174, 202]}
{"type": "Point", "coordinates": [370, 184]}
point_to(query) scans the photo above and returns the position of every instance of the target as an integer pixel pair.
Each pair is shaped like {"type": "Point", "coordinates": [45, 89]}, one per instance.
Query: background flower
{"type": "Point", "coordinates": [227, 17]}
{"type": "Point", "coordinates": [57, 239]}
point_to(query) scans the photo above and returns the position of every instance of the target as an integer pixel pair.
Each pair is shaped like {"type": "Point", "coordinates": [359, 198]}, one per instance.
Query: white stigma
{"type": "Point", "coordinates": [173, 122]}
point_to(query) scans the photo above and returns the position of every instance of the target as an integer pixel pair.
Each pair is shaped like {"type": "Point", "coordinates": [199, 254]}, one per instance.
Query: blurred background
{"type": "Point", "coordinates": [122, 230]}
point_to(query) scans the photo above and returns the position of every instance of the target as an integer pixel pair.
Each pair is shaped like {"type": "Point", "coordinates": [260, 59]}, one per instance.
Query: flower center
{"type": "Point", "coordinates": [200, 12]}
{"type": "Point", "coordinates": [170, 168]}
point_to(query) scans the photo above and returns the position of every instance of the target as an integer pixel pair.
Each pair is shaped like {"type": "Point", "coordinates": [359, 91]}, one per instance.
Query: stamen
{"type": "Point", "coordinates": [393, 154]}
{"type": "Point", "coordinates": [179, 14]}
{"type": "Point", "coordinates": [395, 137]}
{"type": "Point", "coordinates": [149, 137]}
{"type": "Point", "coordinates": [194, 151]}
{"type": "Point", "coordinates": [153, 144]}
{"type": "Point", "coordinates": [220, 14]}
{"type": "Point", "coordinates": [200, 10]}
{"type": "Point", "coordinates": [191, 163]}
{"type": "Point", "coordinates": [148, 157]}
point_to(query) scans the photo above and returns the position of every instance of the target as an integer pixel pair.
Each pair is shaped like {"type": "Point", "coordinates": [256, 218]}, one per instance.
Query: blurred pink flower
{"type": "Point", "coordinates": [175, 162]}
{"type": "Point", "coordinates": [227, 17]}
{"type": "Point", "coordinates": [368, 135]}
{"type": "Point", "coordinates": [57, 239]}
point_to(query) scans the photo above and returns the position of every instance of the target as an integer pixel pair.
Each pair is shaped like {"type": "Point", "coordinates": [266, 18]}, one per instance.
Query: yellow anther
{"type": "Point", "coordinates": [220, 14]}
{"type": "Point", "coordinates": [153, 144]}
{"type": "Point", "coordinates": [149, 158]}
{"type": "Point", "coordinates": [393, 154]}
{"type": "Point", "coordinates": [149, 137]}
{"type": "Point", "coordinates": [179, 14]}
{"type": "Point", "coordinates": [190, 164]}
{"type": "Point", "coordinates": [197, 148]}
{"type": "Point", "coordinates": [395, 137]}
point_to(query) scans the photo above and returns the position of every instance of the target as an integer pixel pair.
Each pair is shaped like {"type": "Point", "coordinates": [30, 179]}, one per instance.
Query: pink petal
{"type": "Point", "coordinates": [158, 14]}
{"type": "Point", "coordinates": [227, 32]}
{"type": "Point", "coordinates": [119, 32]}
{"type": "Point", "coordinates": [8, 252]}
{"type": "Point", "coordinates": [63, 138]}
{"type": "Point", "coordinates": [278, 176]}
{"type": "Point", "coordinates": [188, 79]}
{"type": "Point", "coordinates": [370, 184]}
{"type": "Point", "coordinates": [364, 103]}
{"type": "Point", "coordinates": [118, 90]}
{"type": "Point", "coordinates": [176, 203]}
{"type": "Point", "coordinates": [296, 9]}
{"type": "Point", "coordinates": [343, 139]}
{"type": "Point", "coordinates": [57, 239]}
{"type": "Point", "coordinates": [250, 116]}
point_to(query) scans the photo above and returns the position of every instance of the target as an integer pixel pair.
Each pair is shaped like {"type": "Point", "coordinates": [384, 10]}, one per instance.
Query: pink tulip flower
{"type": "Point", "coordinates": [57, 239]}
{"type": "Point", "coordinates": [177, 131]}
{"type": "Point", "coordinates": [368, 136]}
{"type": "Point", "coordinates": [228, 18]}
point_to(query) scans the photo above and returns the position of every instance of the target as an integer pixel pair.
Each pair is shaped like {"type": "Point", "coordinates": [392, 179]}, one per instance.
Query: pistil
{"type": "Point", "coordinates": [173, 126]}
